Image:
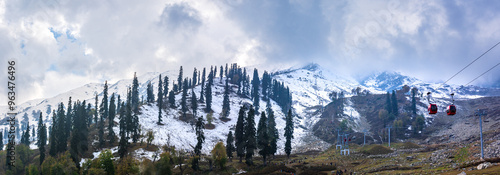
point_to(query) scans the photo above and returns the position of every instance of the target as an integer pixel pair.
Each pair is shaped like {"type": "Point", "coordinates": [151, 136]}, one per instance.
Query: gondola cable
{"type": "Point", "coordinates": [451, 110]}
{"type": "Point", "coordinates": [469, 65]}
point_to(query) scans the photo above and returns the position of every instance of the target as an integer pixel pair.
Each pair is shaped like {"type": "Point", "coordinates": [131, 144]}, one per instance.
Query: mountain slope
{"type": "Point", "coordinates": [310, 86]}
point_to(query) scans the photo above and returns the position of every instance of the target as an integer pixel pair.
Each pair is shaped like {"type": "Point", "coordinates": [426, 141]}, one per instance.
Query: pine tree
{"type": "Point", "coordinates": [200, 136]}
{"type": "Point", "coordinates": [25, 139]}
{"type": "Point", "coordinates": [251, 140]}
{"type": "Point", "coordinates": [53, 140]}
{"type": "Point", "coordinates": [33, 132]}
{"type": "Point", "coordinates": [208, 92]}
{"type": "Point", "coordinates": [104, 112]}
{"type": "Point", "coordinates": [221, 74]}
{"type": "Point", "coordinates": [202, 86]}
{"type": "Point", "coordinates": [265, 84]}
{"type": "Point", "coordinates": [101, 132]}
{"type": "Point", "coordinates": [184, 107]}
{"type": "Point", "coordinates": [388, 104]}
{"type": "Point", "coordinates": [175, 86]}
{"type": "Point", "coordinates": [118, 102]}
{"type": "Point", "coordinates": [194, 77]}
{"type": "Point", "coordinates": [394, 101]}
{"type": "Point", "coordinates": [96, 111]}
{"type": "Point", "coordinates": [211, 75]}
{"type": "Point", "coordinates": [150, 98]}
{"type": "Point", "coordinates": [103, 109]}
{"type": "Point", "coordinates": [74, 138]}
{"type": "Point", "coordinates": [78, 140]}
{"type": "Point", "coordinates": [244, 81]}
{"type": "Point", "coordinates": [160, 98]}
{"type": "Point", "coordinates": [179, 79]}
{"type": "Point", "coordinates": [263, 137]}
{"type": "Point", "coordinates": [194, 102]}
{"type": "Point", "coordinates": [288, 133]}
{"type": "Point", "coordinates": [68, 122]}
{"type": "Point", "coordinates": [61, 139]}
{"type": "Point", "coordinates": [255, 90]}
{"type": "Point", "coordinates": [123, 144]}
{"type": "Point", "coordinates": [225, 73]}
{"type": "Point", "coordinates": [135, 94]}
{"type": "Point", "coordinates": [214, 72]}
{"type": "Point", "coordinates": [89, 114]}
{"type": "Point", "coordinates": [271, 130]}
{"type": "Point", "coordinates": [135, 128]}
{"type": "Point", "coordinates": [171, 98]}
{"type": "Point", "coordinates": [230, 146]}
{"type": "Point", "coordinates": [239, 134]}
{"type": "Point", "coordinates": [225, 102]}
{"type": "Point", "coordinates": [111, 123]}
{"type": "Point", "coordinates": [42, 138]}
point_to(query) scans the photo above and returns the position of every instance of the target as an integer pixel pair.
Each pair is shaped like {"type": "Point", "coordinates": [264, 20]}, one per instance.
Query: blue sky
{"type": "Point", "coordinates": [72, 43]}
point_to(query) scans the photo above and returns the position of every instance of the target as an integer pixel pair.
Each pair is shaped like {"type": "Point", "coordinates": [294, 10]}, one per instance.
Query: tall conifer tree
{"type": "Point", "coordinates": [111, 123]}
{"type": "Point", "coordinates": [230, 146]}
{"type": "Point", "coordinates": [288, 133]}
{"type": "Point", "coordinates": [250, 134]}
{"type": "Point", "coordinates": [179, 79]}
{"type": "Point", "coordinates": [184, 107]}
{"type": "Point", "coordinates": [42, 138]}
{"type": "Point", "coordinates": [160, 98]}
{"type": "Point", "coordinates": [202, 86]}
{"type": "Point", "coordinates": [263, 138]}
{"type": "Point", "coordinates": [239, 134]}
{"type": "Point", "coordinates": [135, 94]}
{"type": "Point", "coordinates": [225, 102]}
{"type": "Point", "coordinates": [255, 90]}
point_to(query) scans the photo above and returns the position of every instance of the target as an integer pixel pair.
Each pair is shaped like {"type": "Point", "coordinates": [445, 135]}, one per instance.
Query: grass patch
{"type": "Point", "coordinates": [375, 150]}
{"type": "Point", "coordinates": [272, 170]}
{"type": "Point", "coordinates": [461, 155]}
{"type": "Point", "coordinates": [409, 145]}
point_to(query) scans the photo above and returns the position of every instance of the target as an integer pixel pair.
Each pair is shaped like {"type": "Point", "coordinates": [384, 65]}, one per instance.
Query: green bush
{"type": "Point", "coordinates": [375, 150]}
{"type": "Point", "coordinates": [462, 155]}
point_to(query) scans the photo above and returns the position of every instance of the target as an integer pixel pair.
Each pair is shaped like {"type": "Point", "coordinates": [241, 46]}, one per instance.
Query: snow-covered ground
{"type": "Point", "coordinates": [182, 135]}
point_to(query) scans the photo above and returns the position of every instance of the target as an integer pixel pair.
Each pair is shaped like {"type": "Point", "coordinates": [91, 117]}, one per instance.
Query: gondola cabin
{"type": "Point", "coordinates": [451, 110]}
{"type": "Point", "coordinates": [433, 109]}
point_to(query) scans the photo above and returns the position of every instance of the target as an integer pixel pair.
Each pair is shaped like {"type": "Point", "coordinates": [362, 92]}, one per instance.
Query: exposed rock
{"type": "Point", "coordinates": [483, 165]}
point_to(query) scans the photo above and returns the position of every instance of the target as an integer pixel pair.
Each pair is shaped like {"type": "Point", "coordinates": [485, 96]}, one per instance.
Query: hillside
{"type": "Point", "coordinates": [310, 86]}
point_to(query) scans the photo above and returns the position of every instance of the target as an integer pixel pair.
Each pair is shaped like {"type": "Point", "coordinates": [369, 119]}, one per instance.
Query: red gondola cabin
{"type": "Point", "coordinates": [433, 109]}
{"type": "Point", "coordinates": [451, 110]}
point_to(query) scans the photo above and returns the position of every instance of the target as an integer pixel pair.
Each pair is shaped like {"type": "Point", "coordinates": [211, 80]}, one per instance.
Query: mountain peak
{"type": "Point", "coordinates": [312, 67]}
{"type": "Point", "coordinates": [388, 80]}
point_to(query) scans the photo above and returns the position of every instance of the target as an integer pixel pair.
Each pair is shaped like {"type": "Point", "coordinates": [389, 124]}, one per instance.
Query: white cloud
{"type": "Point", "coordinates": [109, 40]}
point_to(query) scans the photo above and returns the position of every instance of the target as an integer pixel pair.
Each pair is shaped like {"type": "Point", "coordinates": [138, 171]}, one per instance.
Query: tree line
{"type": "Point", "coordinates": [71, 134]}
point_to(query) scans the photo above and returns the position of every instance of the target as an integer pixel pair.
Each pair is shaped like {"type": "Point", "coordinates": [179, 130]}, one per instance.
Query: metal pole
{"type": "Point", "coordinates": [364, 137]}
{"type": "Point", "coordinates": [481, 113]}
{"type": "Point", "coordinates": [481, 130]}
{"type": "Point", "coordinates": [389, 135]}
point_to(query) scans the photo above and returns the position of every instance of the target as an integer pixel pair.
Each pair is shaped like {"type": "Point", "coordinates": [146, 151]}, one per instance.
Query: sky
{"type": "Point", "coordinates": [60, 45]}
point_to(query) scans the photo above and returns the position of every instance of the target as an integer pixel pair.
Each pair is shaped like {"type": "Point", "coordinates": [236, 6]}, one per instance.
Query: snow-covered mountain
{"type": "Point", "coordinates": [310, 86]}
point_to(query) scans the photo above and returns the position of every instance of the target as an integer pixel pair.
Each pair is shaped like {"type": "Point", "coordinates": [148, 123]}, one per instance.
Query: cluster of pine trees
{"type": "Point", "coordinates": [81, 126]}
{"type": "Point", "coordinates": [400, 120]}
{"type": "Point", "coordinates": [247, 139]}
